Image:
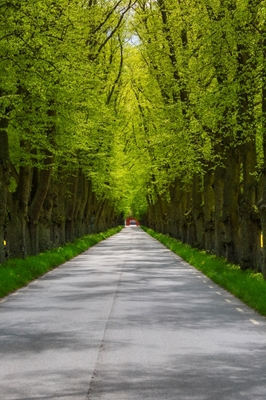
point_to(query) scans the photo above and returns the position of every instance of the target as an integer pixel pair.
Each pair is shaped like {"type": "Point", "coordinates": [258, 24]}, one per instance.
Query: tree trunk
{"type": "Point", "coordinates": [19, 207]}
{"type": "Point", "coordinates": [262, 202]}
{"type": "Point", "coordinates": [37, 204]}
{"type": "Point", "coordinates": [162, 213]}
{"type": "Point", "coordinates": [230, 215]}
{"type": "Point", "coordinates": [249, 227]}
{"type": "Point", "coordinates": [178, 213]}
{"type": "Point", "coordinates": [173, 209]}
{"type": "Point", "coordinates": [189, 218]}
{"type": "Point", "coordinates": [45, 224]}
{"type": "Point", "coordinates": [183, 216]}
{"type": "Point", "coordinates": [82, 196]}
{"type": "Point", "coordinates": [208, 210]}
{"type": "Point", "coordinates": [150, 214]}
{"type": "Point", "coordinates": [18, 239]}
{"type": "Point", "coordinates": [89, 210]}
{"type": "Point", "coordinates": [197, 210]}
{"type": "Point", "coordinates": [218, 187]}
{"type": "Point", "coordinates": [71, 189]}
{"type": "Point", "coordinates": [4, 183]}
{"type": "Point", "coordinates": [100, 216]}
{"type": "Point", "coordinates": [249, 218]}
{"type": "Point", "coordinates": [78, 202]}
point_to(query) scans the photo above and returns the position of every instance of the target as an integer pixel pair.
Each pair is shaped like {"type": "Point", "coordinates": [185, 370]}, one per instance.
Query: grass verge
{"type": "Point", "coordinates": [18, 272]}
{"type": "Point", "coordinates": [248, 286]}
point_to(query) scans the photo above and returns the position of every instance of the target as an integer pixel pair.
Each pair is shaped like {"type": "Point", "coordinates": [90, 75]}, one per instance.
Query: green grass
{"type": "Point", "coordinates": [248, 286]}
{"type": "Point", "coordinates": [17, 272]}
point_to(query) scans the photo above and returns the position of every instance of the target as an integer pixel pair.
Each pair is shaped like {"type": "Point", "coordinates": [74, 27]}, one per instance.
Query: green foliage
{"type": "Point", "coordinates": [17, 273]}
{"type": "Point", "coordinates": [133, 116]}
{"type": "Point", "coordinates": [60, 67]}
{"type": "Point", "coordinates": [248, 286]}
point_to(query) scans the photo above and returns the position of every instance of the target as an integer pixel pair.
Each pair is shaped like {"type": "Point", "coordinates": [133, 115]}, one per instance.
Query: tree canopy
{"type": "Point", "coordinates": [153, 108]}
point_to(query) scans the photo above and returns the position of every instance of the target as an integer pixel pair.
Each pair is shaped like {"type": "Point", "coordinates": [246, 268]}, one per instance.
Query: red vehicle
{"type": "Point", "coordinates": [130, 221]}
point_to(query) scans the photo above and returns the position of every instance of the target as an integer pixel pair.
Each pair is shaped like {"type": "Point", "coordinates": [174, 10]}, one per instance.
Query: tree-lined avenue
{"type": "Point", "coordinates": [129, 320]}
{"type": "Point", "coordinates": [149, 108]}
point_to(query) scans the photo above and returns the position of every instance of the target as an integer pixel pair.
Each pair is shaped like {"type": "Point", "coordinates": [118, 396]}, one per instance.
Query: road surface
{"type": "Point", "coordinates": [129, 320]}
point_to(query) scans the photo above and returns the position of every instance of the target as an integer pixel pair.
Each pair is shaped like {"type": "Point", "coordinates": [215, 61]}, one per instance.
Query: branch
{"type": "Point", "coordinates": [115, 28]}
{"type": "Point", "coordinates": [119, 72]}
{"type": "Point", "coordinates": [8, 35]}
{"type": "Point", "coordinates": [107, 17]}
{"type": "Point", "coordinates": [14, 172]}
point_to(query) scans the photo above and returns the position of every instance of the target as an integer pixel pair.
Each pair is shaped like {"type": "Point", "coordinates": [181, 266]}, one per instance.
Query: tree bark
{"type": "Point", "coordinates": [230, 217]}
{"type": "Point", "coordinates": [218, 187]}
{"type": "Point", "coordinates": [197, 210]}
{"type": "Point", "coordinates": [249, 218]}
{"type": "Point", "coordinates": [262, 202]}
{"type": "Point", "coordinates": [43, 184]}
{"type": "Point", "coordinates": [70, 204]}
{"type": "Point", "coordinates": [183, 216]}
{"type": "Point", "coordinates": [208, 210]}
{"type": "Point", "coordinates": [19, 207]}
{"type": "Point", "coordinates": [188, 217]}
{"type": "Point", "coordinates": [58, 217]}
{"type": "Point", "coordinates": [4, 183]}
{"type": "Point", "coordinates": [82, 195]}
{"type": "Point", "coordinates": [173, 209]}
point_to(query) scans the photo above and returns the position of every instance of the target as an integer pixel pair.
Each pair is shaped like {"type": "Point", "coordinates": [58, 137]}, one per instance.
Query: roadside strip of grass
{"type": "Point", "coordinates": [18, 272]}
{"type": "Point", "coordinates": [248, 286]}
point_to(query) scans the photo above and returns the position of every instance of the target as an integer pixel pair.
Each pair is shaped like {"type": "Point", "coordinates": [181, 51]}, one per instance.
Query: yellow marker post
{"type": "Point", "coordinates": [261, 239]}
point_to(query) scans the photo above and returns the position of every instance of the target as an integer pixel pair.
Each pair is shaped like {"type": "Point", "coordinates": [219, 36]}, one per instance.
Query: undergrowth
{"type": "Point", "coordinates": [248, 286]}
{"type": "Point", "coordinates": [17, 272]}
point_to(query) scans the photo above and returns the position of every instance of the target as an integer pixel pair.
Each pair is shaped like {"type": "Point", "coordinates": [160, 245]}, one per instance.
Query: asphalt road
{"type": "Point", "coordinates": [129, 320]}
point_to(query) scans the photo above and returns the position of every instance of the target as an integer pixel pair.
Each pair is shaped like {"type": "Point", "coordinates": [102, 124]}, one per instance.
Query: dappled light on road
{"type": "Point", "coordinates": [129, 320]}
